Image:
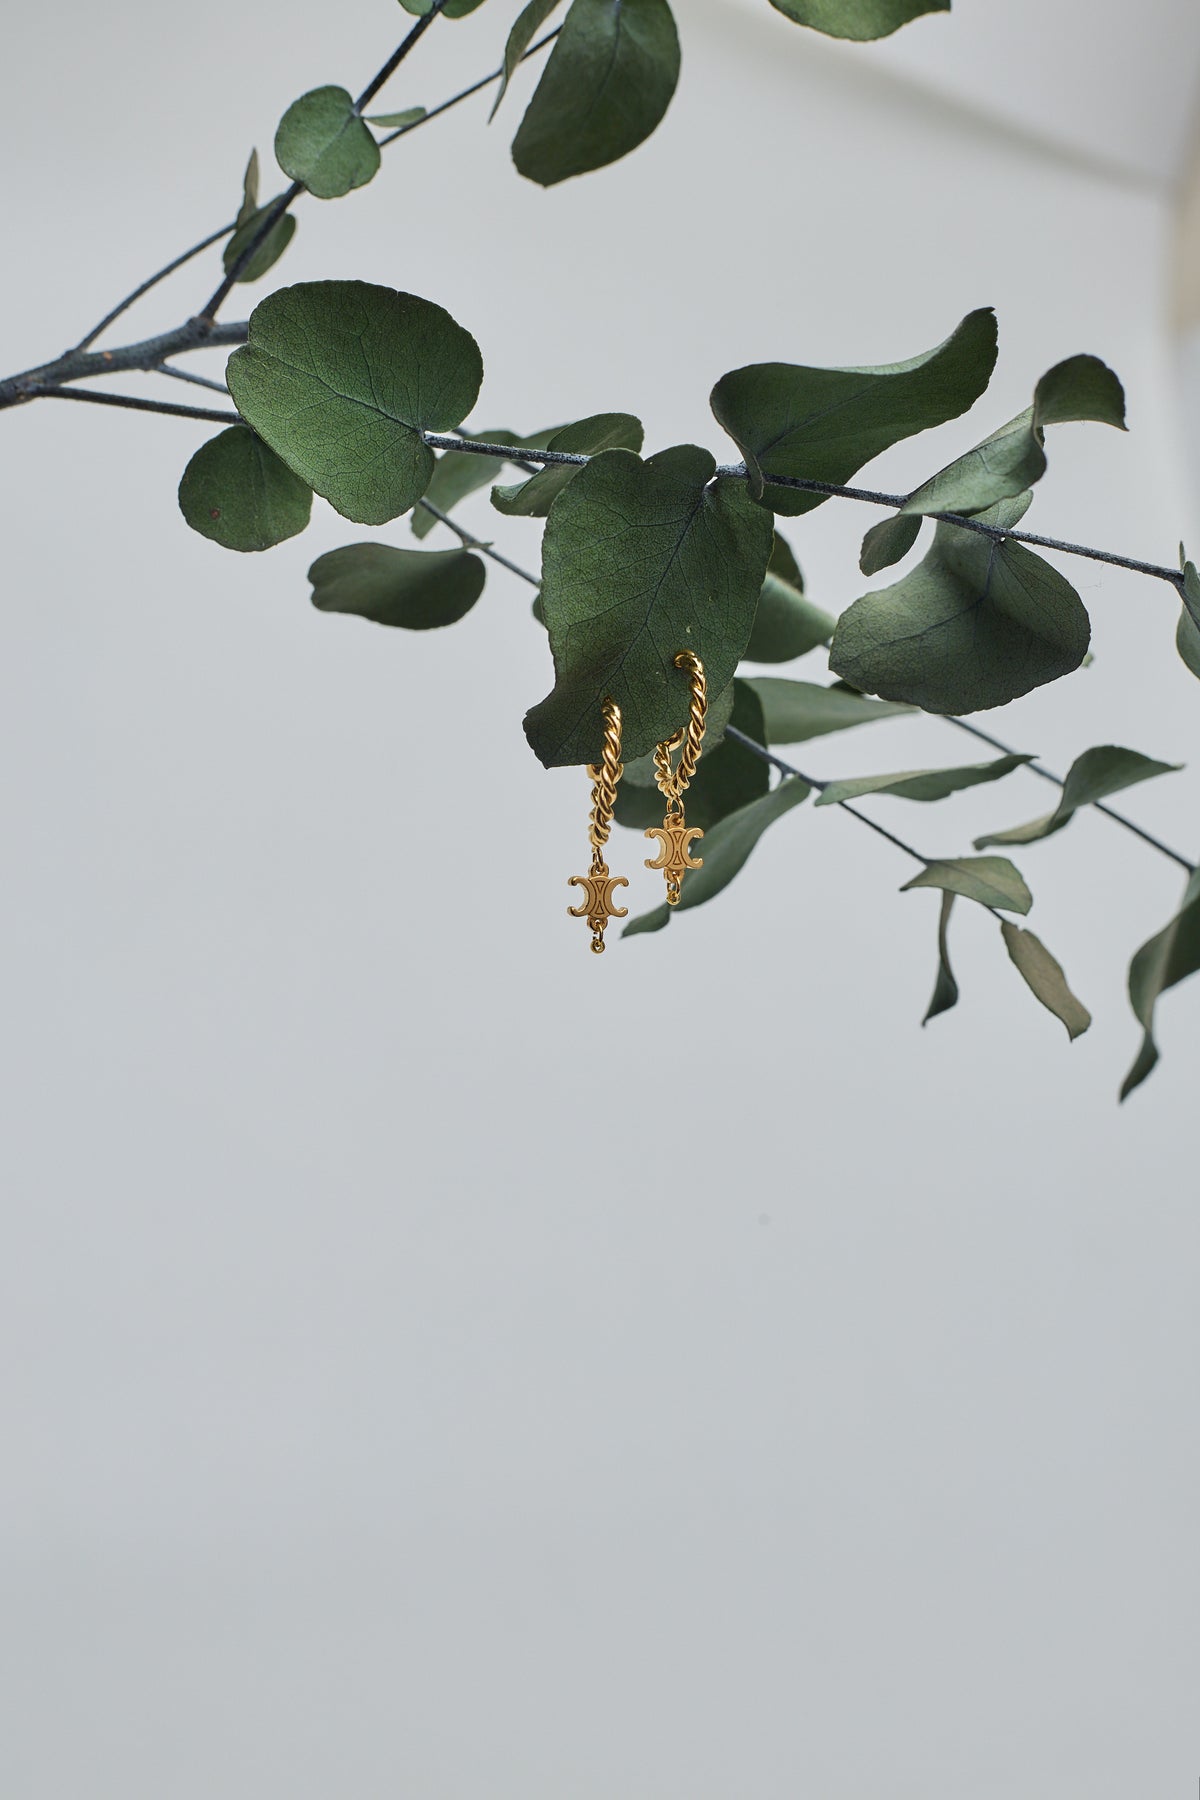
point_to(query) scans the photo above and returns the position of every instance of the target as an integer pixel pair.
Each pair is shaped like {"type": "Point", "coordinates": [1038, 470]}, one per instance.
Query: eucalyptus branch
{"type": "Point", "coordinates": [84, 365]}
{"type": "Point", "coordinates": [393, 63]}
{"type": "Point", "coordinates": [266, 226]}
{"type": "Point", "coordinates": [275, 212]}
{"type": "Point", "coordinates": [80, 364]}
{"type": "Point", "coordinates": [475, 88]}
{"type": "Point", "coordinates": [214, 237]}
{"type": "Point", "coordinates": [1110, 812]}
{"type": "Point", "coordinates": [136, 405]}
{"type": "Point", "coordinates": [470, 542]}
{"type": "Point", "coordinates": [786, 768]}
{"type": "Point", "coordinates": [739, 472]}
{"type": "Point", "coordinates": [218, 387]}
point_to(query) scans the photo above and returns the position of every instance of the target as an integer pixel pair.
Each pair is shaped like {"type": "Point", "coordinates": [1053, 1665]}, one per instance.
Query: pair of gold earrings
{"type": "Point", "coordinates": [675, 836]}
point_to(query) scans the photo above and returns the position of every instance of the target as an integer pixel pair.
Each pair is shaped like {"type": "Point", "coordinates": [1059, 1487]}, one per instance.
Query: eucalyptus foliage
{"type": "Point", "coordinates": [363, 396]}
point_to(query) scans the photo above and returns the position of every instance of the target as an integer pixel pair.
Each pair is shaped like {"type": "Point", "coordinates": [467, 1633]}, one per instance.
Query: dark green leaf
{"type": "Point", "coordinates": [1162, 963]}
{"type": "Point", "coordinates": [641, 560]}
{"type": "Point", "coordinates": [1191, 589]}
{"type": "Point", "coordinates": [945, 988]}
{"type": "Point", "coordinates": [608, 82]}
{"type": "Point", "coordinates": [1013, 458]}
{"type": "Point", "coordinates": [268, 252]}
{"type": "Point", "coordinates": [795, 711]}
{"type": "Point", "coordinates": [322, 142]}
{"type": "Point", "coordinates": [1187, 641]}
{"type": "Point", "coordinates": [783, 562]}
{"type": "Point", "coordinates": [725, 850]}
{"type": "Point", "coordinates": [1091, 777]}
{"type": "Point", "coordinates": [398, 121]}
{"type": "Point", "coordinates": [991, 880]}
{"type": "Point", "coordinates": [976, 623]}
{"type": "Point", "coordinates": [238, 492]}
{"type": "Point", "coordinates": [824, 424]}
{"type": "Point", "coordinates": [418, 589]}
{"type": "Point", "coordinates": [529, 22]}
{"type": "Point", "coordinates": [1044, 978]}
{"type": "Point", "coordinates": [859, 19]}
{"type": "Point", "coordinates": [728, 776]}
{"type": "Point", "coordinates": [533, 499]}
{"type": "Point", "coordinates": [888, 542]}
{"type": "Point", "coordinates": [342, 378]}
{"type": "Point", "coordinates": [921, 784]}
{"type": "Point", "coordinates": [1187, 635]}
{"type": "Point", "coordinates": [249, 204]}
{"type": "Point", "coordinates": [787, 623]}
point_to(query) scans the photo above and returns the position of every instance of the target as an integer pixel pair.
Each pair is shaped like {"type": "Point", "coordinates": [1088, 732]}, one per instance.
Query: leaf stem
{"type": "Point", "coordinates": [475, 87]}
{"type": "Point", "coordinates": [218, 387]}
{"type": "Point", "coordinates": [786, 768]}
{"type": "Point", "coordinates": [471, 542]}
{"type": "Point", "coordinates": [137, 405]}
{"type": "Point", "coordinates": [738, 472]}
{"type": "Point", "coordinates": [214, 237]}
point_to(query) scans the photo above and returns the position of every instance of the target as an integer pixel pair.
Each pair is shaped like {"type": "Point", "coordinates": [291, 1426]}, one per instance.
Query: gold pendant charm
{"type": "Point", "coordinates": [674, 857]}
{"type": "Point", "coordinates": [675, 836]}
{"type": "Point", "coordinates": [597, 905]}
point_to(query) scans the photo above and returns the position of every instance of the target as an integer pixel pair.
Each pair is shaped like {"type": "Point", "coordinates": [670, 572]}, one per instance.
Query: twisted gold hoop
{"type": "Point", "coordinates": [673, 779]}
{"type": "Point", "coordinates": [675, 835]}
{"type": "Point", "coordinates": [598, 885]}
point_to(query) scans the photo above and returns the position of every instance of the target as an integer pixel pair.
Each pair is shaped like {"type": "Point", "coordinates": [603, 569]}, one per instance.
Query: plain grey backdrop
{"type": "Point", "coordinates": [441, 1363]}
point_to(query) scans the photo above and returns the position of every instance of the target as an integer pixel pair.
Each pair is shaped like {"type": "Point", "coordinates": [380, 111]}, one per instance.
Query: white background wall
{"type": "Point", "coordinates": [438, 1362]}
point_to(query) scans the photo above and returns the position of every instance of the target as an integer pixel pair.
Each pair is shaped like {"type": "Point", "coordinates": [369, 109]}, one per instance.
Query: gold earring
{"type": "Point", "coordinates": [675, 835]}
{"type": "Point", "coordinates": [598, 885]}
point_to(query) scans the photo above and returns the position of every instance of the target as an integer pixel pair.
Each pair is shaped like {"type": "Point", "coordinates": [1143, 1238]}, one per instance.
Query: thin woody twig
{"type": "Point", "coordinates": [86, 365]}
{"type": "Point", "coordinates": [214, 237]}
{"type": "Point", "coordinates": [218, 387]}
{"type": "Point", "coordinates": [475, 88]}
{"type": "Point", "coordinates": [137, 405]}
{"type": "Point", "coordinates": [738, 472]}
{"type": "Point", "coordinates": [272, 217]}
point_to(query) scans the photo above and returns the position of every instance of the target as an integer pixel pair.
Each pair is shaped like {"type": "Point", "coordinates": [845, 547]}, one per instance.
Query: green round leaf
{"type": "Point", "coordinates": [858, 19]}
{"type": "Point", "coordinates": [416, 589]}
{"type": "Point", "coordinates": [343, 378]}
{"type": "Point", "coordinates": [268, 252]}
{"type": "Point", "coordinates": [236, 491]}
{"type": "Point", "coordinates": [322, 142]}
{"type": "Point", "coordinates": [978, 622]}
{"type": "Point", "coordinates": [641, 560]}
{"type": "Point", "coordinates": [608, 82]}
